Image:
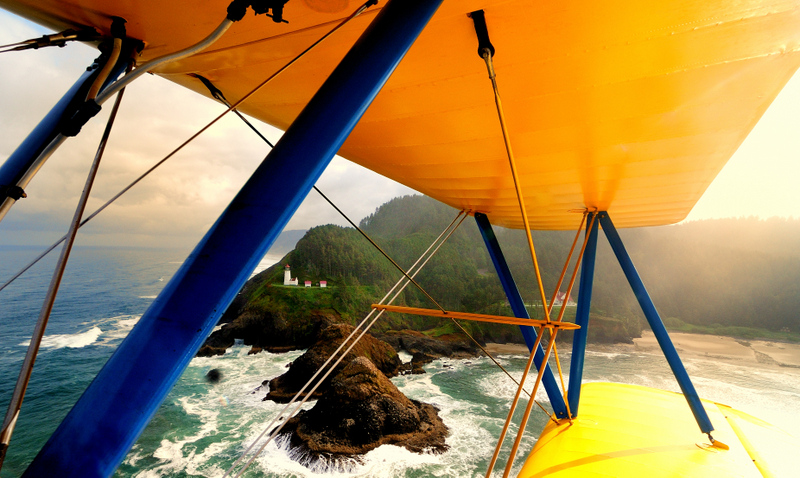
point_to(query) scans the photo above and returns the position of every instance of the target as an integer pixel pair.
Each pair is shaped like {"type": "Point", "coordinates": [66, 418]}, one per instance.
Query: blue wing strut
{"type": "Point", "coordinates": [98, 432]}
{"type": "Point", "coordinates": [518, 307]}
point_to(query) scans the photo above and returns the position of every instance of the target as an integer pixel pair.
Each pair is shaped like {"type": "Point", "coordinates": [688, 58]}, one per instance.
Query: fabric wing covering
{"type": "Point", "coordinates": [627, 106]}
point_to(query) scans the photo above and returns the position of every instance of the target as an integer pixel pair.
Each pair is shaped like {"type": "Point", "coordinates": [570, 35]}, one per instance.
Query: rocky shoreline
{"type": "Point", "coordinates": [357, 406]}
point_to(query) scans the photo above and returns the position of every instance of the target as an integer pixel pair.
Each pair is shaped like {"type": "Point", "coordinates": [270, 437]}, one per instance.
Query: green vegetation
{"type": "Point", "coordinates": [677, 325]}
{"type": "Point", "coordinates": [738, 277]}
{"type": "Point", "coordinates": [349, 301]}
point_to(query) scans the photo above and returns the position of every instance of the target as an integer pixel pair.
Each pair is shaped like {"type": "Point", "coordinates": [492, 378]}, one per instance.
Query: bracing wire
{"type": "Point", "coordinates": [221, 97]}
{"type": "Point", "coordinates": [487, 57]}
{"type": "Point", "coordinates": [551, 347]}
{"type": "Point", "coordinates": [191, 138]}
{"type": "Point", "coordinates": [514, 402]}
{"type": "Point", "coordinates": [5, 205]}
{"type": "Point", "coordinates": [487, 51]}
{"type": "Point", "coordinates": [528, 409]}
{"type": "Point", "coordinates": [47, 307]}
{"type": "Point", "coordinates": [566, 263]}
{"type": "Point", "coordinates": [54, 39]}
{"type": "Point", "coordinates": [566, 296]}
{"type": "Point", "coordinates": [427, 255]}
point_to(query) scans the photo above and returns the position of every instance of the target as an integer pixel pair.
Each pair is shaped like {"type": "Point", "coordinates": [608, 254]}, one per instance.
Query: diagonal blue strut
{"type": "Point", "coordinates": [518, 307]}
{"type": "Point", "coordinates": [24, 156]}
{"type": "Point", "coordinates": [582, 318]}
{"type": "Point", "coordinates": [105, 422]}
{"type": "Point", "coordinates": [650, 312]}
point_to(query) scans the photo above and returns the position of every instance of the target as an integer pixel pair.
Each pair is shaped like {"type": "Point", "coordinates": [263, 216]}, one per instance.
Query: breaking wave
{"type": "Point", "coordinates": [73, 341]}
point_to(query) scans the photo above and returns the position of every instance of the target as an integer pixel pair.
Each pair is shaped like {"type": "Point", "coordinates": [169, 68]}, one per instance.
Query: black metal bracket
{"type": "Point", "coordinates": [270, 8]}
{"type": "Point", "coordinates": [14, 192]}
{"type": "Point", "coordinates": [215, 92]}
{"type": "Point", "coordinates": [479, 20]}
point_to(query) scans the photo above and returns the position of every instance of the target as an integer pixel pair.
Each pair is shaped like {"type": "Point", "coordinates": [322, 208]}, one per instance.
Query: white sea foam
{"type": "Point", "coordinates": [266, 262]}
{"type": "Point", "coordinates": [126, 322]}
{"type": "Point", "coordinates": [386, 460]}
{"type": "Point", "coordinates": [117, 328]}
{"type": "Point", "coordinates": [238, 424]}
{"type": "Point", "coordinates": [474, 425]}
{"type": "Point", "coordinates": [179, 454]}
{"type": "Point", "coordinates": [404, 356]}
{"type": "Point", "coordinates": [608, 355]}
{"type": "Point", "coordinates": [148, 296]}
{"type": "Point", "coordinates": [231, 411]}
{"type": "Point", "coordinates": [497, 384]}
{"type": "Point", "coordinates": [73, 341]}
{"type": "Point", "coordinates": [471, 395]}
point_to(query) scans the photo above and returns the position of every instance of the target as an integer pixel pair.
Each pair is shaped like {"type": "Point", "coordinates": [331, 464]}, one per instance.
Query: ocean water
{"type": "Point", "coordinates": [202, 428]}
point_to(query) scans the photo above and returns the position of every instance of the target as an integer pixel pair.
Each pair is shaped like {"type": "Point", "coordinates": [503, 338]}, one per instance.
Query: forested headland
{"type": "Point", "coordinates": [737, 277]}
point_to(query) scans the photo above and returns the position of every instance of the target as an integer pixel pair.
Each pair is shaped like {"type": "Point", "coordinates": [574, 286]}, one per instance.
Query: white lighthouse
{"type": "Point", "coordinates": [287, 276]}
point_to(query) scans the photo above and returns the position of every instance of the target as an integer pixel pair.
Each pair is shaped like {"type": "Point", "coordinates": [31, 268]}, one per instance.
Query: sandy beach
{"type": "Point", "coordinates": [752, 352]}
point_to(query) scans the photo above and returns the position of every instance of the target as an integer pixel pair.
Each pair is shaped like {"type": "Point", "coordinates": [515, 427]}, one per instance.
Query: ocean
{"type": "Point", "coordinates": [201, 428]}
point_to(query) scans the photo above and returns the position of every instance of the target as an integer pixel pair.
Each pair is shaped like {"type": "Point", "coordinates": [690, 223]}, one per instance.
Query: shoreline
{"type": "Point", "coordinates": [695, 346]}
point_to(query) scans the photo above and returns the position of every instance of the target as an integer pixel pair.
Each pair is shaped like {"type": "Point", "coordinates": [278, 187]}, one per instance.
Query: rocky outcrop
{"type": "Point", "coordinates": [362, 410]}
{"type": "Point", "coordinates": [284, 387]}
{"type": "Point", "coordinates": [268, 330]}
{"type": "Point", "coordinates": [414, 366]}
{"type": "Point", "coordinates": [612, 330]}
{"type": "Point", "coordinates": [413, 342]}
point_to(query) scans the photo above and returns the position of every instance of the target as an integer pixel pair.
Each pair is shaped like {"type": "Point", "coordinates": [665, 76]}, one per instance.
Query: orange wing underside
{"type": "Point", "coordinates": [626, 106]}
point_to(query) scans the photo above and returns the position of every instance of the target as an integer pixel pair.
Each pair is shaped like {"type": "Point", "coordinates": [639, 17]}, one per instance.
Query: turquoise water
{"type": "Point", "coordinates": [202, 428]}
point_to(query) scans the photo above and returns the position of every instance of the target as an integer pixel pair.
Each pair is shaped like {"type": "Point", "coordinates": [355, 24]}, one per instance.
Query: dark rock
{"type": "Point", "coordinates": [209, 351]}
{"type": "Point", "coordinates": [404, 369]}
{"type": "Point", "coordinates": [413, 342]}
{"type": "Point", "coordinates": [268, 330]}
{"type": "Point", "coordinates": [214, 375]}
{"type": "Point", "coordinates": [421, 358]}
{"type": "Point", "coordinates": [363, 410]}
{"type": "Point", "coordinates": [415, 365]}
{"type": "Point", "coordinates": [609, 330]}
{"type": "Point", "coordinates": [284, 387]}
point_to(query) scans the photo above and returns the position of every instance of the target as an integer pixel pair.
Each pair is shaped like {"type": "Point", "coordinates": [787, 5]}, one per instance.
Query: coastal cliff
{"type": "Point", "coordinates": [357, 408]}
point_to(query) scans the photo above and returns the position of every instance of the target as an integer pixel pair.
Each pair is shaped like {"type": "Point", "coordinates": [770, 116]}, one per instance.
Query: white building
{"type": "Point", "coordinates": [561, 296]}
{"type": "Point", "coordinates": [287, 276]}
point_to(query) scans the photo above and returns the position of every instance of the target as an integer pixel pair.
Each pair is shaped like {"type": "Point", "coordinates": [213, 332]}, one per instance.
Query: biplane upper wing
{"type": "Point", "coordinates": [626, 106]}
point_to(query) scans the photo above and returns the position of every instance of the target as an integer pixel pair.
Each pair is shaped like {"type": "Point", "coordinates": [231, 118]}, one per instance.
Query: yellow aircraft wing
{"type": "Point", "coordinates": [628, 430]}
{"type": "Point", "coordinates": [627, 106]}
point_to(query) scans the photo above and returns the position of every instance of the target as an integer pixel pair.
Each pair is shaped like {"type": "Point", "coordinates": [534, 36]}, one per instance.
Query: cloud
{"type": "Point", "coordinates": [177, 203]}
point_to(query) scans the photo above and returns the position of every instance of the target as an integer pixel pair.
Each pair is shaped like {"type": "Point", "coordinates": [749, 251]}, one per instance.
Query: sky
{"type": "Point", "coordinates": [176, 205]}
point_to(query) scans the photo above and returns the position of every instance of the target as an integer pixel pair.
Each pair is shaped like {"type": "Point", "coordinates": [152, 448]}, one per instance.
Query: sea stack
{"type": "Point", "coordinates": [381, 354]}
{"type": "Point", "coordinates": [362, 410]}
